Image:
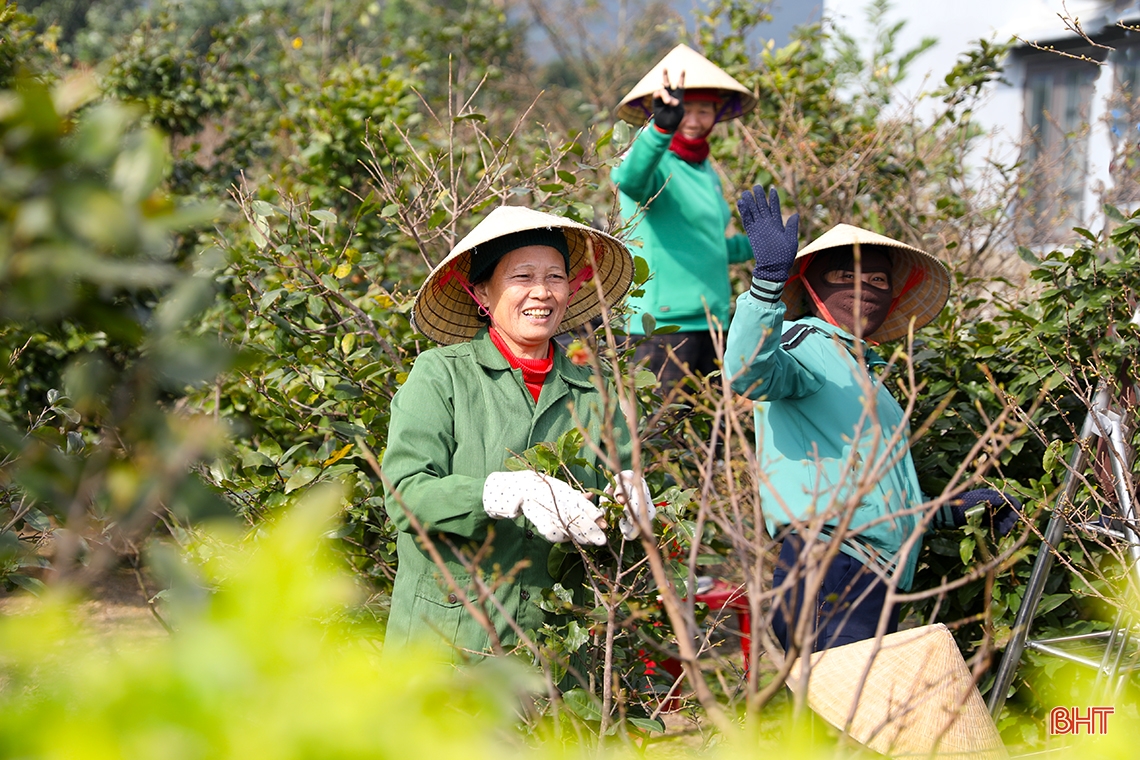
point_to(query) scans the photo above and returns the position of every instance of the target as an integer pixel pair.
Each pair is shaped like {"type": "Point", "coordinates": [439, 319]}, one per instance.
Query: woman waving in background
{"type": "Point", "coordinates": [832, 443]}
{"type": "Point", "coordinates": [497, 386]}
{"type": "Point", "coordinates": [670, 190]}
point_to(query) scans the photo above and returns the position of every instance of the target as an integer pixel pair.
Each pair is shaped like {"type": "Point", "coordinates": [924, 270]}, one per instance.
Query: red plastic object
{"type": "Point", "coordinates": [725, 596]}
{"type": "Point", "coordinates": [722, 596]}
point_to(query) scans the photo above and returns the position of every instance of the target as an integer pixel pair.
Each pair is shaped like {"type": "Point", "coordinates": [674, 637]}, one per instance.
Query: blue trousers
{"type": "Point", "coordinates": [841, 617]}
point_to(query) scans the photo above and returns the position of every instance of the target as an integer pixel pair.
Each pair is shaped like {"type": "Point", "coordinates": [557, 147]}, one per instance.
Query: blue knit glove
{"type": "Point", "coordinates": [1004, 509]}
{"type": "Point", "coordinates": [774, 245]}
{"type": "Point", "coordinates": [667, 117]}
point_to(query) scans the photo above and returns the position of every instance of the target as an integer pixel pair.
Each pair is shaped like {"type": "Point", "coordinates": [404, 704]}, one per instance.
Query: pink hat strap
{"type": "Point", "coordinates": [917, 275]}
{"type": "Point", "coordinates": [584, 274]}
{"type": "Point", "coordinates": [452, 273]}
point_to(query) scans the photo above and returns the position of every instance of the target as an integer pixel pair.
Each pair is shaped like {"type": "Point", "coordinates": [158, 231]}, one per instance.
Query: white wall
{"type": "Point", "coordinates": [958, 23]}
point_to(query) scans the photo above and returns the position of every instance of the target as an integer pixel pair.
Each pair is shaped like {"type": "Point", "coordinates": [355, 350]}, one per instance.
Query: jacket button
{"type": "Point", "coordinates": [524, 595]}
{"type": "Point", "coordinates": [452, 599]}
{"type": "Point", "coordinates": [529, 533]}
{"type": "Point", "coordinates": [664, 308]}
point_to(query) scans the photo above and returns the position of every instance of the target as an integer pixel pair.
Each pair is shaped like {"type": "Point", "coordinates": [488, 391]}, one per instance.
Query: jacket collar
{"type": "Point", "coordinates": [488, 356]}
{"type": "Point", "coordinates": [870, 357]}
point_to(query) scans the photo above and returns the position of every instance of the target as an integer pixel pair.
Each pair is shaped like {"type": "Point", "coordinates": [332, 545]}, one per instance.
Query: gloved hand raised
{"type": "Point", "coordinates": [669, 104]}
{"type": "Point", "coordinates": [1004, 509]}
{"type": "Point", "coordinates": [558, 511]}
{"type": "Point", "coordinates": [633, 493]}
{"type": "Point", "coordinates": [774, 244]}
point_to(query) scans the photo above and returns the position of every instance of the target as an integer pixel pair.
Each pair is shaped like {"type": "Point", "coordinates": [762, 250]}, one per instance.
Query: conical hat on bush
{"type": "Point", "coordinates": [920, 282]}
{"type": "Point", "coordinates": [700, 74]}
{"type": "Point", "coordinates": [918, 698]}
{"type": "Point", "coordinates": [445, 312]}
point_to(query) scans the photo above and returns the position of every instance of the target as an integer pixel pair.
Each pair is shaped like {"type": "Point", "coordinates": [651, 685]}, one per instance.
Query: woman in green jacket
{"type": "Point", "coordinates": [832, 444]}
{"type": "Point", "coordinates": [671, 193]}
{"type": "Point", "coordinates": [475, 540]}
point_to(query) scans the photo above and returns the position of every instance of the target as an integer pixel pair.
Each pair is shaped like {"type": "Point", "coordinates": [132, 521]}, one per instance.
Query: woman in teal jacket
{"type": "Point", "coordinates": [671, 193]}
{"type": "Point", "coordinates": [475, 540]}
{"type": "Point", "coordinates": [831, 442]}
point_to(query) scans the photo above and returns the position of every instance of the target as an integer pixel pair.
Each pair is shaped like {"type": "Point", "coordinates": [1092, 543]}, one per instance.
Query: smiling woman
{"type": "Point", "coordinates": [526, 296]}
{"type": "Point", "coordinates": [475, 539]}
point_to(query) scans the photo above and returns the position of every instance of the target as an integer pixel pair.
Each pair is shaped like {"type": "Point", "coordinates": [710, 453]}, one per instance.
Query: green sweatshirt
{"type": "Point", "coordinates": [682, 233]}
{"type": "Point", "coordinates": [458, 417]}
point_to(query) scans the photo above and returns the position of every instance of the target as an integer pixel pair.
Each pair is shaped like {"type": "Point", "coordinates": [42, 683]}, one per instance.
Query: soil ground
{"type": "Point", "coordinates": [118, 603]}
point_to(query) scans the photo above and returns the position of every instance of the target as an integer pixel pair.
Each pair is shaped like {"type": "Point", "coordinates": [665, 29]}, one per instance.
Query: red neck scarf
{"type": "Point", "coordinates": [693, 151]}
{"type": "Point", "coordinates": [534, 371]}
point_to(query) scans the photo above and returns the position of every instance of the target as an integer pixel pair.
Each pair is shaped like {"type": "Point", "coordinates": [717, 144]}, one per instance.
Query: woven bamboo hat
{"type": "Point", "coordinates": [445, 312]}
{"type": "Point", "coordinates": [920, 282]}
{"type": "Point", "coordinates": [700, 74]}
{"type": "Point", "coordinates": [918, 699]}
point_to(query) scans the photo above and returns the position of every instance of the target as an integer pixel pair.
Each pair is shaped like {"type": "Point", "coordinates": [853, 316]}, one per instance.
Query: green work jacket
{"type": "Point", "coordinates": [461, 414]}
{"type": "Point", "coordinates": [817, 431]}
{"type": "Point", "coordinates": [681, 217]}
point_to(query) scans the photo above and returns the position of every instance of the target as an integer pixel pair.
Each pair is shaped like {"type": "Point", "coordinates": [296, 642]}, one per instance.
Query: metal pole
{"type": "Point", "coordinates": [1036, 586]}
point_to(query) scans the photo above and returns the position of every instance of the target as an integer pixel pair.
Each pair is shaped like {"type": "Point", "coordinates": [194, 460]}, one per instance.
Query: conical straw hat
{"type": "Point", "coordinates": [918, 699]}
{"type": "Point", "coordinates": [445, 312]}
{"type": "Point", "coordinates": [920, 281]}
{"type": "Point", "coordinates": [700, 74]}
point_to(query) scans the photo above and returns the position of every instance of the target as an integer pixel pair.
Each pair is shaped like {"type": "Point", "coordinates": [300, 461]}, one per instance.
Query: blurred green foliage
{"type": "Point", "coordinates": [266, 665]}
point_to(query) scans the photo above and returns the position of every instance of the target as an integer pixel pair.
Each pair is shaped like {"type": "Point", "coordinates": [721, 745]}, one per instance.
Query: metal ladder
{"type": "Point", "coordinates": [1119, 658]}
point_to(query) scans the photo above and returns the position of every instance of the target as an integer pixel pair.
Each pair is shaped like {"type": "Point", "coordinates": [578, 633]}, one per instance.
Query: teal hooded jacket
{"type": "Point", "coordinates": [681, 217]}
{"type": "Point", "coordinates": [460, 415]}
{"type": "Point", "coordinates": [832, 444]}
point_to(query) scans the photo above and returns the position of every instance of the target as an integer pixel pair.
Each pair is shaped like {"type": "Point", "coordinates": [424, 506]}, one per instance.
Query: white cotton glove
{"type": "Point", "coordinates": [635, 497]}
{"type": "Point", "coordinates": [558, 511]}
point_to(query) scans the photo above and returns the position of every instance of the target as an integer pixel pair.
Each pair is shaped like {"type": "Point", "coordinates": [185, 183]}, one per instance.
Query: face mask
{"type": "Point", "coordinates": [830, 279]}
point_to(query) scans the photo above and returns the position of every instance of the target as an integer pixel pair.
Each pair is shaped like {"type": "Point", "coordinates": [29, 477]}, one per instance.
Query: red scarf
{"type": "Point", "coordinates": [534, 371]}
{"type": "Point", "coordinates": [693, 151]}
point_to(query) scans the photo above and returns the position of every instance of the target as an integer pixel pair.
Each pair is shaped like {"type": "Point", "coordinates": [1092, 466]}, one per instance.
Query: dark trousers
{"type": "Point", "coordinates": [691, 352]}
{"type": "Point", "coordinates": [841, 617]}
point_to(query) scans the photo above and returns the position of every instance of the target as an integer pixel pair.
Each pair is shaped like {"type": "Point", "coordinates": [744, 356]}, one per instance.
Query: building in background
{"type": "Point", "coordinates": [1070, 116]}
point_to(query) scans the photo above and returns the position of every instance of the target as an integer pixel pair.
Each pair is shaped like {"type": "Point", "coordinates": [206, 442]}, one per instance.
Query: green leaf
{"type": "Point", "coordinates": [1028, 256]}
{"type": "Point", "coordinates": [583, 704]}
{"type": "Point", "coordinates": [328, 217]}
{"type": "Point", "coordinates": [261, 208]}
{"type": "Point", "coordinates": [645, 379]}
{"type": "Point", "coordinates": [640, 270]}
{"type": "Point", "coordinates": [139, 168]}
{"type": "Point", "coordinates": [648, 323]}
{"type": "Point", "coordinates": [621, 133]}
{"type": "Point", "coordinates": [650, 725]}
{"type": "Point", "coordinates": [576, 637]}
{"type": "Point", "coordinates": [1113, 213]}
{"type": "Point", "coordinates": [1051, 602]}
{"type": "Point", "coordinates": [254, 459]}
{"type": "Point", "coordinates": [33, 586]}
{"type": "Point", "coordinates": [301, 477]}
{"type": "Point", "coordinates": [966, 549]}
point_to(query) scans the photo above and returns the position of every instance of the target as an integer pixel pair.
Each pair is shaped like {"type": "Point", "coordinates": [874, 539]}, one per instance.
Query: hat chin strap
{"type": "Point", "coordinates": [819, 303]}
{"type": "Point", "coordinates": [812, 294]}
{"type": "Point", "coordinates": [917, 275]}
